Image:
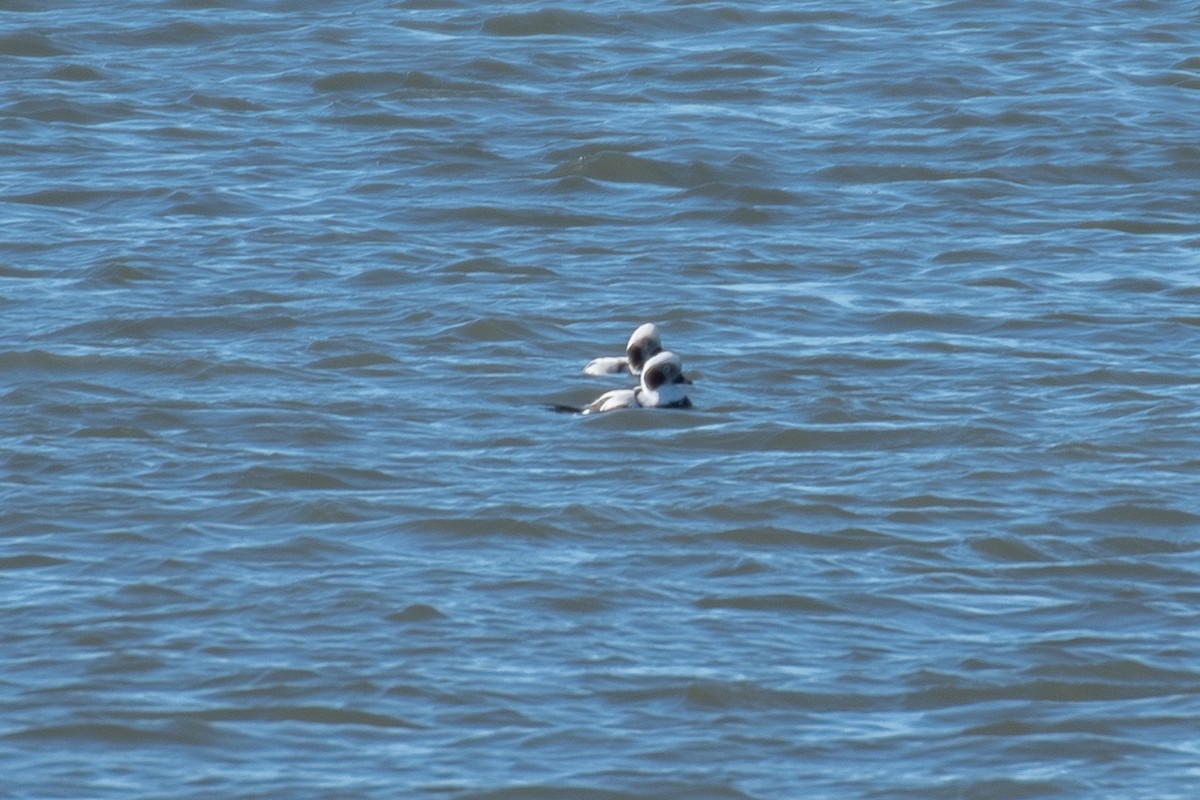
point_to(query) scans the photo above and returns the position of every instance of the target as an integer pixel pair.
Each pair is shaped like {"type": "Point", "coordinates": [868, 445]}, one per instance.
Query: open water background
{"type": "Point", "coordinates": [285, 286]}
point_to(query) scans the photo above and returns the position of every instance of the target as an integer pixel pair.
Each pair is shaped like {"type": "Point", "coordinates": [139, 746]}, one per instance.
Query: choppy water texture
{"type": "Point", "coordinates": [286, 286]}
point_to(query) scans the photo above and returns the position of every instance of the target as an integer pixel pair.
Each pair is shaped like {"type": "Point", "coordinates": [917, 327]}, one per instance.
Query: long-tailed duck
{"type": "Point", "coordinates": [643, 345]}
{"type": "Point", "coordinates": [662, 386]}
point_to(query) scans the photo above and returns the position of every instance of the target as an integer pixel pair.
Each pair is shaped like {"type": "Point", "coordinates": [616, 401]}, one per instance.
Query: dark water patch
{"type": "Point", "coordinates": [353, 361]}
{"type": "Point", "coordinates": [1092, 173]}
{"type": "Point", "coordinates": [210, 371]}
{"type": "Point", "coordinates": [1142, 227]}
{"type": "Point", "coordinates": [113, 432]}
{"type": "Point", "coordinates": [1012, 118]}
{"type": "Point", "coordinates": [1192, 322]}
{"type": "Point", "coordinates": [387, 120]}
{"type": "Point", "coordinates": [736, 513]}
{"type": "Point", "coordinates": [226, 103]}
{"type": "Point", "coordinates": [486, 524]}
{"type": "Point", "coordinates": [29, 44]}
{"type": "Point", "coordinates": [787, 603]}
{"type": "Point", "coordinates": [551, 22]}
{"type": "Point", "coordinates": [141, 596]}
{"type": "Point", "coordinates": [748, 195]}
{"type": "Point", "coordinates": [384, 277]}
{"type": "Point", "coordinates": [432, 5]}
{"type": "Point", "coordinates": [391, 82]}
{"type": "Point", "coordinates": [943, 88]}
{"type": "Point", "coordinates": [741, 696]}
{"type": "Point", "coordinates": [576, 184]}
{"type": "Point", "coordinates": [720, 74]}
{"type": "Point", "coordinates": [1008, 549]}
{"type": "Point", "coordinates": [256, 298]}
{"type": "Point", "coordinates": [417, 612]}
{"type": "Point", "coordinates": [23, 273]}
{"type": "Point", "coordinates": [295, 550]}
{"type": "Point", "coordinates": [199, 136]}
{"type": "Point", "coordinates": [258, 682]}
{"type": "Point", "coordinates": [845, 539]}
{"type": "Point", "coordinates": [1134, 545]}
{"type": "Point", "coordinates": [563, 791]}
{"type": "Point", "coordinates": [125, 664]}
{"type": "Point", "coordinates": [207, 204]}
{"type": "Point", "coordinates": [494, 70]}
{"type": "Point", "coordinates": [747, 216]}
{"type": "Point", "coordinates": [498, 330]}
{"type": "Point", "coordinates": [76, 73]}
{"type": "Point", "coordinates": [737, 216]}
{"type": "Point", "coordinates": [1138, 514]}
{"type": "Point", "coordinates": [181, 34]}
{"type": "Point", "coordinates": [116, 273]}
{"type": "Point", "coordinates": [115, 734]}
{"type": "Point", "coordinates": [984, 788]}
{"type": "Point", "coordinates": [1121, 571]}
{"type": "Point", "coordinates": [968, 257]}
{"type": "Point", "coordinates": [494, 718]}
{"type": "Point", "coordinates": [620, 167]}
{"type": "Point", "coordinates": [550, 218]}
{"type": "Point", "coordinates": [1116, 377]}
{"type": "Point", "coordinates": [998, 283]}
{"type": "Point", "coordinates": [16, 523]}
{"type": "Point", "coordinates": [575, 604]}
{"type": "Point", "coordinates": [740, 568]}
{"type": "Point", "coordinates": [70, 111]}
{"type": "Point", "coordinates": [1172, 80]}
{"type": "Point", "coordinates": [29, 561]}
{"type": "Point", "coordinates": [453, 157]}
{"type": "Point", "coordinates": [745, 57]}
{"type": "Point", "coordinates": [593, 146]}
{"type": "Point", "coordinates": [951, 691]}
{"type": "Point", "coordinates": [330, 512]}
{"type": "Point", "coordinates": [43, 363]}
{"type": "Point", "coordinates": [1009, 727]}
{"type": "Point", "coordinates": [1136, 285]}
{"type": "Point", "coordinates": [896, 173]}
{"type": "Point", "coordinates": [943, 322]}
{"type": "Point", "coordinates": [1124, 672]}
{"type": "Point", "coordinates": [79, 198]}
{"type": "Point", "coordinates": [263, 478]}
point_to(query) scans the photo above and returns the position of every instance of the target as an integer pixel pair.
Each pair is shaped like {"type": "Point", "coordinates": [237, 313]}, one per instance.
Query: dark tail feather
{"type": "Point", "coordinates": [565, 409]}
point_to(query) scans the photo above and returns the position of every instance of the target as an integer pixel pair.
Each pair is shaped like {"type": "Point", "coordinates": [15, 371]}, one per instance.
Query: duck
{"type": "Point", "coordinates": [644, 343]}
{"type": "Point", "coordinates": [661, 385]}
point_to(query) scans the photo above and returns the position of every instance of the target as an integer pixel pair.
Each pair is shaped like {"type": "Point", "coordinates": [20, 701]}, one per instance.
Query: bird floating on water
{"type": "Point", "coordinates": [644, 343]}
{"type": "Point", "coordinates": [661, 382]}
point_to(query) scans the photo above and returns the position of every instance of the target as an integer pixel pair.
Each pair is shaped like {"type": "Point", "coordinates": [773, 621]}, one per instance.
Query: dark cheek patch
{"type": "Point", "coordinates": [642, 352]}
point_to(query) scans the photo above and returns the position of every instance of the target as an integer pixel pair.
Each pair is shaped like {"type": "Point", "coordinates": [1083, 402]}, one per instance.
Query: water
{"type": "Point", "coordinates": [285, 288]}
